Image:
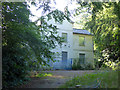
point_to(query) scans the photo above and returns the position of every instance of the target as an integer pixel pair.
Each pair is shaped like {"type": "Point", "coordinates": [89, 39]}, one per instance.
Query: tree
{"type": "Point", "coordinates": [24, 43]}
{"type": "Point", "coordinates": [105, 26]}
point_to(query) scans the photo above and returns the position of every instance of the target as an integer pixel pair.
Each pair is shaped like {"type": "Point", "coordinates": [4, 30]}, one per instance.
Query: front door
{"type": "Point", "coordinates": [64, 59]}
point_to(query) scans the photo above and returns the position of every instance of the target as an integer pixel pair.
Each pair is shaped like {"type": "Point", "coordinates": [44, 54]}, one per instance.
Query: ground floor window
{"type": "Point", "coordinates": [82, 58]}
{"type": "Point", "coordinates": [64, 56]}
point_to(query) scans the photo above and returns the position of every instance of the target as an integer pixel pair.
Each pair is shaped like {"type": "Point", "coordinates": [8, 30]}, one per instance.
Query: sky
{"type": "Point", "coordinates": [60, 5]}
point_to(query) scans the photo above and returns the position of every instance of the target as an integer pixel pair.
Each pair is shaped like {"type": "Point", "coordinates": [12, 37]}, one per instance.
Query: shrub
{"type": "Point", "coordinates": [77, 66]}
{"type": "Point", "coordinates": [14, 69]}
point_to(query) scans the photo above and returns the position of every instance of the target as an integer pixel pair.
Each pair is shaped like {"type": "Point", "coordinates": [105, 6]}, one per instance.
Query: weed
{"type": "Point", "coordinates": [108, 79]}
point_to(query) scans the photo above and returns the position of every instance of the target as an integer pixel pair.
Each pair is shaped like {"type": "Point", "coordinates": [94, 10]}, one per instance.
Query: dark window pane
{"type": "Point", "coordinates": [82, 58]}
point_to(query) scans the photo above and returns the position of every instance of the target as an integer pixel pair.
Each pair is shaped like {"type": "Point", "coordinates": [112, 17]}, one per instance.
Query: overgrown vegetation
{"type": "Point", "coordinates": [102, 19]}
{"type": "Point", "coordinates": [25, 45]}
{"type": "Point", "coordinates": [43, 75]}
{"type": "Point", "coordinates": [107, 79]}
{"type": "Point", "coordinates": [105, 25]}
{"type": "Point", "coordinates": [81, 66]}
{"type": "Point", "coordinates": [39, 74]}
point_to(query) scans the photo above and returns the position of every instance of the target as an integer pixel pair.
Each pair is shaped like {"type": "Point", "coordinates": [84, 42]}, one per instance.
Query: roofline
{"type": "Point", "coordinates": [83, 34]}
{"type": "Point", "coordinates": [78, 29]}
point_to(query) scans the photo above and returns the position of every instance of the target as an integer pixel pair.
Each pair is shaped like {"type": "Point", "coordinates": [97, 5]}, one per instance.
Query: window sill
{"type": "Point", "coordinates": [82, 45]}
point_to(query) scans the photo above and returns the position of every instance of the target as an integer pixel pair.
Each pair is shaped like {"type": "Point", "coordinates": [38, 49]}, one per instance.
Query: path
{"type": "Point", "coordinates": [57, 79]}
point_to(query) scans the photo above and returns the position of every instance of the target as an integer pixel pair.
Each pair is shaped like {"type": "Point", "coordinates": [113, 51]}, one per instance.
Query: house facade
{"type": "Point", "coordinates": [77, 45]}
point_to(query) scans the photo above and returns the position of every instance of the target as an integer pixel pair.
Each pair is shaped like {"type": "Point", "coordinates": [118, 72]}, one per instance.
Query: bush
{"type": "Point", "coordinates": [98, 64]}
{"type": "Point", "coordinates": [89, 67]}
{"type": "Point", "coordinates": [77, 66]}
{"type": "Point", "coordinates": [14, 69]}
{"type": "Point", "coordinates": [82, 67]}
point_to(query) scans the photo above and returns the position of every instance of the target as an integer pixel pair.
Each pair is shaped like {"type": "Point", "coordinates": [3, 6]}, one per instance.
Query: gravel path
{"type": "Point", "coordinates": [57, 79]}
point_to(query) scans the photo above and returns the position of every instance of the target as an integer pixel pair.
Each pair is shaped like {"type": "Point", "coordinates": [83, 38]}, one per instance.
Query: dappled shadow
{"type": "Point", "coordinates": [52, 79]}
{"type": "Point", "coordinates": [57, 76]}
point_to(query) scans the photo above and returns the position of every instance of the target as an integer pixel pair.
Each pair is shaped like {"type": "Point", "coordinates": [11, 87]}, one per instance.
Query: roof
{"type": "Point", "coordinates": [81, 31]}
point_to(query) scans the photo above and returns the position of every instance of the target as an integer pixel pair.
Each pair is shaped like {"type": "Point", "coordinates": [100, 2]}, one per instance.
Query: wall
{"type": "Point", "coordinates": [87, 49]}
{"type": "Point", "coordinates": [72, 46]}
{"type": "Point", "coordinates": [66, 27]}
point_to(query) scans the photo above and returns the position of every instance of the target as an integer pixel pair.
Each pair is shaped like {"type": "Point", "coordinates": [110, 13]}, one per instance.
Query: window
{"type": "Point", "coordinates": [82, 58]}
{"type": "Point", "coordinates": [81, 41]}
{"type": "Point", "coordinates": [64, 56]}
{"type": "Point", "coordinates": [64, 35]}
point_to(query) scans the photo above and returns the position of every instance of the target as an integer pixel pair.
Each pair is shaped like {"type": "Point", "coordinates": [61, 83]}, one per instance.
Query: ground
{"type": "Point", "coordinates": [57, 79]}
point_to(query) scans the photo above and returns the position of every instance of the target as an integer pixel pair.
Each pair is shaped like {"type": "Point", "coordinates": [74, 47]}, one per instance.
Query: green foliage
{"type": "Point", "coordinates": [14, 25]}
{"type": "Point", "coordinates": [25, 45]}
{"type": "Point", "coordinates": [79, 66]}
{"type": "Point", "coordinates": [108, 79]}
{"type": "Point", "coordinates": [43, 74]}
{"type": "Point", "coordinates": [105, 26]}
{"type": "Point", "coordinates": [39, 74]}
{"type": "Point", "coordinates": [100, 65]}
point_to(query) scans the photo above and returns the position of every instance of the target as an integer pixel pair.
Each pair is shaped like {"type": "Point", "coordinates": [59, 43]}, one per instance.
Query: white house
{"type": "Point", "coordinates": [77, 44]}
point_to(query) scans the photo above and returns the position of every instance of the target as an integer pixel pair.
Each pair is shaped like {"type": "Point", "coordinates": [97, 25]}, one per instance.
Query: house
{"type": "Point", "coordinates": [77, 45]}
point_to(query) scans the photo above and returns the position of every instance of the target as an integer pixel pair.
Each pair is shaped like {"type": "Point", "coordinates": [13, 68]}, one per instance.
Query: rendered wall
{"type": "Point", "coordinates": [87, 49]}
{"type": "Point", "coordinates": [65, 27]}
{"type": "Point", "coordinates": [72, 46]}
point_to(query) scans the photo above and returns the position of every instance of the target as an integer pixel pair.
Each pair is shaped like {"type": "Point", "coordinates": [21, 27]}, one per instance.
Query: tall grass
{"type": "Point", "coordinates": [108, 79]}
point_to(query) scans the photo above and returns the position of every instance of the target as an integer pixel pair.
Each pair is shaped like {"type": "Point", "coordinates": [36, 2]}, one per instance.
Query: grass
{"type": "Point", "coordinates": [109, 79]}
{"type": "Point", "coordinates": [43, 74]}
{"type": "Point", "coordinates": [39, 74]}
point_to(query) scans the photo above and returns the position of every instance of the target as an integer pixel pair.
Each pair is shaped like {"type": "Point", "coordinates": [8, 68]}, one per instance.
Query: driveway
{"type": "Point", "coordinates": [57, 79]}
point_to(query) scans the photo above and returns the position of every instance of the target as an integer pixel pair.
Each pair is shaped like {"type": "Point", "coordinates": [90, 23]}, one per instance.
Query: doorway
{"type": "Point", "coordinates": [64, 59]}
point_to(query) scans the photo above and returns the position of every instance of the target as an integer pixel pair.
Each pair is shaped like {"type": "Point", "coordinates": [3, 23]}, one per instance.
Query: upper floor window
{"type": "Point", "coordinates": [64, 35]}
{"type": "Point", "coordinates": [81, 41]}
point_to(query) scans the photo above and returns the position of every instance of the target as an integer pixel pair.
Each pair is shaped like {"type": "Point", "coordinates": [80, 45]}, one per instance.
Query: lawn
{"type": "Point", "coordinates": [105, 79]}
